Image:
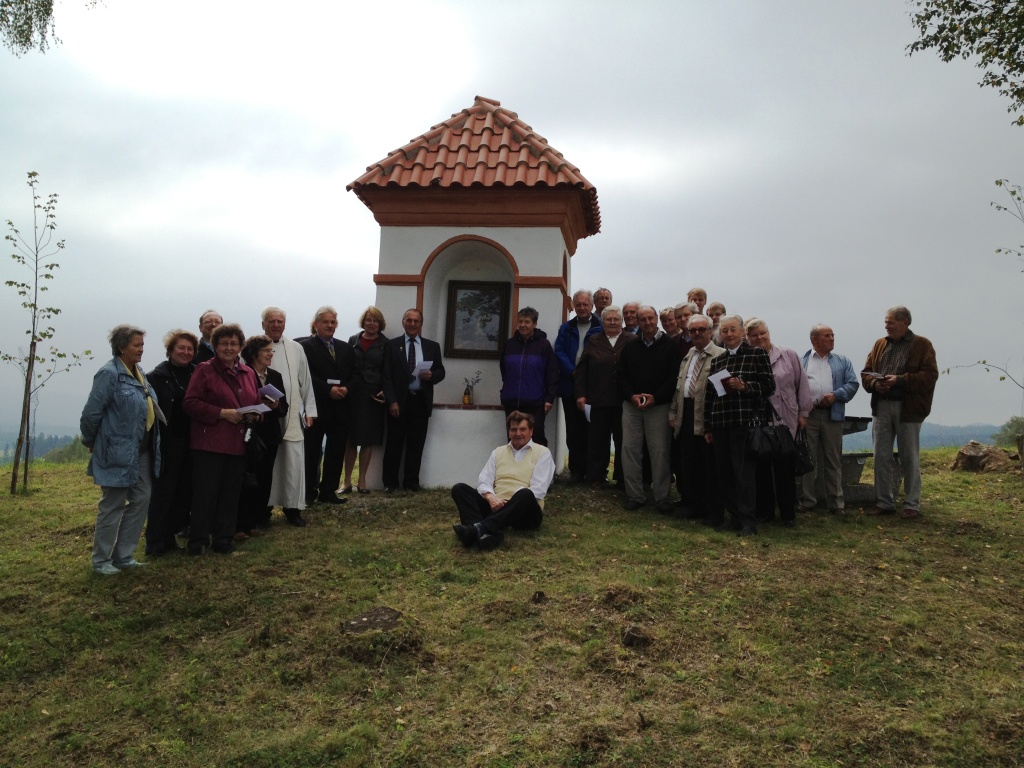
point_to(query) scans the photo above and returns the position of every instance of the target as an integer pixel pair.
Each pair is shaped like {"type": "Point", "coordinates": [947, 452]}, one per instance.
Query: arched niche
{"type": "Point", "coordinates": [467, 259]}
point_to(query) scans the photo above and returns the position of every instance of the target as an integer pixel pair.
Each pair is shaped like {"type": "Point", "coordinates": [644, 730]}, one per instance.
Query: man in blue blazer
{"type": "Point", "coordinates": [409, 394]}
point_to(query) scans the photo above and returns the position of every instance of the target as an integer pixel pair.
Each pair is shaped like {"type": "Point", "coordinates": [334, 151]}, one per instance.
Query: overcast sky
{"type": "Point", "coordinates": [787, 156]}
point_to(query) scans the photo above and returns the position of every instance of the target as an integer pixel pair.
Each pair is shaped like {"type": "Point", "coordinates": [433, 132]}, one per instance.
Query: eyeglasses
{"type": "Point", "coordinates": [700, 329]}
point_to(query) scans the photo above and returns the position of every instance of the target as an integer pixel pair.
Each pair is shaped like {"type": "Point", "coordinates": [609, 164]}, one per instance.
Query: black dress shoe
{"type": "Point", "coordinates": [413, 488]}
{"type": "Point", "coordinates": [466, 534]}
{"type": "Point", "coordinates": [747, 530]}
{"type": "Point", "coordinates": [294, 518]}
{"type": "Point", "coordinates": [388, 489]}
{"type": "Point", "coordinates": [633, 504]}
{"type": "Point", "coordinates": [666, 507]}
{"type": "Point", "coordinates": [789, 523]}
{"type": "Point", "coordinates": [489, 541]}
{"type": "Point", "coordinates": [330, 498]}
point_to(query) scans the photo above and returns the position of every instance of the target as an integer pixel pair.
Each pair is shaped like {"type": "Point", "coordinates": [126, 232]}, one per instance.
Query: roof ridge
{"type": "Point", "coordinates": [485, 145]}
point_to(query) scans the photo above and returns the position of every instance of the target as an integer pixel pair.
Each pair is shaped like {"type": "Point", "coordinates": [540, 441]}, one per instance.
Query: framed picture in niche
{"type": "Point", "coordinates": [477, 319]}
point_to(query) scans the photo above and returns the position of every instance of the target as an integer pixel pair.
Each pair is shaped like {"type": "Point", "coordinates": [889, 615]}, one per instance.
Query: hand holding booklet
{"type": "Point", "coordinates": [718, 378]}
{"type": "Point", "coordinates": [258, 408]}
{"type": "Point", "coordinates": [271, 392]}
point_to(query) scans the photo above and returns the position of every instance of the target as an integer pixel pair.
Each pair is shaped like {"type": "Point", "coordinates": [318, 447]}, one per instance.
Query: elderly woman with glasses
{"type": "Point", "coordinates": [219, 400]}
{"type": "Point", "coordinates": [119, 427]}
{"type": "Point", "coordinates": [253, 509]}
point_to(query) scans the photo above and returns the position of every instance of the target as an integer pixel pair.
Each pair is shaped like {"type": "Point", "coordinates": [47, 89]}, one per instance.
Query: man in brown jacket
{"type": "Point", "coordinates": [900, 373]}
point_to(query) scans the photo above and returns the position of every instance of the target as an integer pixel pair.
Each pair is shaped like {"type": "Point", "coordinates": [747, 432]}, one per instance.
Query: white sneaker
{"type": "Point", "coordinates": [105, 570]}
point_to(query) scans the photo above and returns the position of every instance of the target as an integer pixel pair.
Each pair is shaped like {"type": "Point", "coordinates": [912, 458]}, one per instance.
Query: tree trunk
{"type": "Point", "coordinates": [26, 402]}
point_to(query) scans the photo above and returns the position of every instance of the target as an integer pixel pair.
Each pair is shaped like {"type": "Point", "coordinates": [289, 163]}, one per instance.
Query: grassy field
{"type": "Point", "coordinates": [606, 638]}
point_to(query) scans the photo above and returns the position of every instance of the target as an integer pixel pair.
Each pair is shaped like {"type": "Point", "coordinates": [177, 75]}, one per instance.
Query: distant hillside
{"type": "Point", "coordinates": [932, 436]}
{"type": "Point", "coordinates": [41, 444]}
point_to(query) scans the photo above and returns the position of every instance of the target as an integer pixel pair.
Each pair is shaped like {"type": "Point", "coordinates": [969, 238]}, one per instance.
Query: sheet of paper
{"type": "Point", "coordinates": [718, 378]}
{"type": "Point", "coordinates": [261, 408]}
{"type": "Point", "coordinates": [422, 365]}
{"type": "Point", "coordinates": [586, 410]}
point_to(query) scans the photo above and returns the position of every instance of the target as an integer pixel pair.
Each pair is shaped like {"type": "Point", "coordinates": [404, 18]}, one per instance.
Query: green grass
{"type": "Point", "coordinates": [843, 642]}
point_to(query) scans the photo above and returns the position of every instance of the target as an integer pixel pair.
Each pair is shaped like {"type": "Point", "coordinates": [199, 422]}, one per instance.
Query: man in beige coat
{"type": "Point", "coordinates": [700, 498]}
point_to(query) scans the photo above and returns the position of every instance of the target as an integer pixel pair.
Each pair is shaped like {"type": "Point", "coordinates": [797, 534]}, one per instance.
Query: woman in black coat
{"type": "Point", "coordinates": [367, 397]}
{"type": "Point", "coordinates": [253, 512]}
{"type": "Point", "coordinates": [172, 491]}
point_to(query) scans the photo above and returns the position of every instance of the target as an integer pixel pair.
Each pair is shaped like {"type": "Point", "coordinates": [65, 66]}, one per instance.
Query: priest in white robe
{"type": "Point", "coordinates": [289, 487]}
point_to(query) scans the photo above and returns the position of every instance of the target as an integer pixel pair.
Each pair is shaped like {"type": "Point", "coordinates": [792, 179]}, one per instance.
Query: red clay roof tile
{"type": "Point", "coordinates": [482, 146]}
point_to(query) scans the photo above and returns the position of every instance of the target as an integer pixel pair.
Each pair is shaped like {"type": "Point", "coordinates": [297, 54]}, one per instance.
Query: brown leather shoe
{"type": "Point", "coordinates": [910, 514]}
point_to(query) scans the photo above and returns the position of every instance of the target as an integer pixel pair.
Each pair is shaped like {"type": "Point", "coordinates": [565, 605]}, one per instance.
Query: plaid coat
{"type": "Point", "coordinates": [740, 409]}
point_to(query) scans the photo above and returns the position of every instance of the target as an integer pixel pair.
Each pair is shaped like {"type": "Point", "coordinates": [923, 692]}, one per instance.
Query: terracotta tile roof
{"type": "Point", "coordinates": [482, 146]}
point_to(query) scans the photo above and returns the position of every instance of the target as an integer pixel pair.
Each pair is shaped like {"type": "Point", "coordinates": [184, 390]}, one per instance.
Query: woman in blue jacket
{"type": "Point", "coordinates": [119, 427]}
{"type": "Point", "coordinates": [529, 372]}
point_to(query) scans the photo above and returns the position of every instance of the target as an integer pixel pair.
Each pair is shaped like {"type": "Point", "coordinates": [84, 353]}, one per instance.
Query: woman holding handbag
{"type": "Point", "coordinates": [791, 402]}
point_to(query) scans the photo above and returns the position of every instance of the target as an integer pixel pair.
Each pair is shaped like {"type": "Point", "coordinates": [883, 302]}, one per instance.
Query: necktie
{"type": "Point", "coordinates": [691, 385]}
{"type": "Point", "coordinates": [330, 348]}
{"type": "Point", "coordinates": [411, 358]}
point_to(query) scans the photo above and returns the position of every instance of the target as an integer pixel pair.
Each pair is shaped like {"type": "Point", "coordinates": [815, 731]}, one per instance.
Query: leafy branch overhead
{"type": "Point", "coordinates": [27, 25]}
{"type": "Point", "coordinates": [992, 32]}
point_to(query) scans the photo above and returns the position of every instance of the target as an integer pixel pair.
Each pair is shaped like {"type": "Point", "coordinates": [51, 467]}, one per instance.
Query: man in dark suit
{"type": "Point", "coordinates": [209, 320]}
{"type": "Point", "coordinates": [409, 393]}
{"type": "Point", "coordinates": [331, 364]}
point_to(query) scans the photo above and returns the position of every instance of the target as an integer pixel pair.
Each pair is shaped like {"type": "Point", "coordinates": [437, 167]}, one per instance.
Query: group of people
{"type": "Point", "coordinates": [680, 400]}
{"type": "Point", "coordinates": [228, 427]}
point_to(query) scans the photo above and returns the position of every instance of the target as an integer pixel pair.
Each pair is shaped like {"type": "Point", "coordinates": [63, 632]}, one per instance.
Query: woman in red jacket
{"type": "Point", "coordinates": [218, 389]}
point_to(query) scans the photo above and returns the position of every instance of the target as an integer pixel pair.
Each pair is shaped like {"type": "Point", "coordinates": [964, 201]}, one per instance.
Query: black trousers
{"type": "Point", "coordinates": [736, 474]}
{"type": "Point", "coordinates": [576, 429]}
{"type": "Point", "coordinates": [407, 434]}
{"type": "Point", "coordinates": [216, 487]}
{"type": "Point", "coordinates": [252, 506]}
{"type": "Point", "coordinates": [699, 481]}
{"type": "Point", "coordinates": [521, 511]}
{"type": "Point", "coordinates": [332, 452]}
{"type": "Point", "coordinates": [605, 428]}
{"type": "Point", "coordinates": [776, 483]}
{"type": "Point", "coordinates": [172, 496]}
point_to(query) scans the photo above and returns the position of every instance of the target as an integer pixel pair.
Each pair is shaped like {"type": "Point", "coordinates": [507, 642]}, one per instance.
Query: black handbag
{"type": "Point", "coordinates": [255, 449]}
{"type": "Point", "coordinates": [770, 439]}
{"type": "Point", "coordinates": [803, 462]}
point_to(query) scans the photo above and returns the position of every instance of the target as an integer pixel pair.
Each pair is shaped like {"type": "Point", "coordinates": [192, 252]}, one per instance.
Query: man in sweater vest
{"type": "Point", "coordinates": [510, 490]}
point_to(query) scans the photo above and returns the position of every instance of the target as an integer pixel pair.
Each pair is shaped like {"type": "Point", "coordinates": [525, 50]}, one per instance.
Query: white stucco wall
{"type": "Point", "coordinates": [460, 440]}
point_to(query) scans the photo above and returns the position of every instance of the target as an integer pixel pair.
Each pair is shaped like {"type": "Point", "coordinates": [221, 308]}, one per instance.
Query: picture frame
{"type": "Point", "coordinates": [477, 319]}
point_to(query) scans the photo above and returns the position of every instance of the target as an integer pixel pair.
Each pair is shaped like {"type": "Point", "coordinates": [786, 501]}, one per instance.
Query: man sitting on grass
{"type": "Point", "coordinates": [510, 490]}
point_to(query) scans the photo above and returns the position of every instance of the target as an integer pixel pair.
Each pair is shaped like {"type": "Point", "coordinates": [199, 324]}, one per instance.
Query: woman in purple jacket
{"type": "Point", "coordinates": [529, 372]}
{"type": "Point", "coordinates": [218, 389]}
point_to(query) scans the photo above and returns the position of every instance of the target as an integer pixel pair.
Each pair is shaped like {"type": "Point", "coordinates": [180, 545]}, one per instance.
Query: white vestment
{"type": "Point", "coordinates": [289, 487]}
